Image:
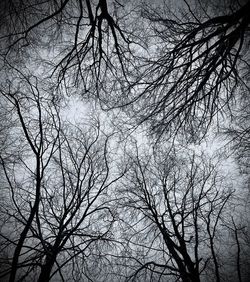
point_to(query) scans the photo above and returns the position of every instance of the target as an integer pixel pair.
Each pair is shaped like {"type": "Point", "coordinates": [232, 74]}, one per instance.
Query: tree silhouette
{"type": "Point", "coordinates": [176, 209]}
{"type": "Point", "coordinates": [35, 144]}
{"type": "Point", "coordinates": [85, 37]}
{"type": "Point", "coordinates": [59, 180]}
{"type": "Point", "coordinates": [196, 71]}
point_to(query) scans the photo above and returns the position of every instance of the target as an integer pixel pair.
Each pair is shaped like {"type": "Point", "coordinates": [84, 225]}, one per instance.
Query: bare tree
{"type": "Point", "coordinates": [199, 66]}
{"type": "Point", "coordinates": [35, 147]}
{"type": "Point", "coordinates": [175, 207]}
{"type": "Point", "coordinates": [76, 212]}
{"type": "Point", "coordinates": [86, 39]}
{"type": "Point", "coordinates": [58, 179]}
{"type": "Point", "coordinates": [193, 69]}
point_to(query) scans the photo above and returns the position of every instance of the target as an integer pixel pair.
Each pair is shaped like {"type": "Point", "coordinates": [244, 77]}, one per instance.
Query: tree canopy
{"type": "Point", "coordinates": [124, 140]}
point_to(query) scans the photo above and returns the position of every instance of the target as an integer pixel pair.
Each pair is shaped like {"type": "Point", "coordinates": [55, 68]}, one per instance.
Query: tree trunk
{"type": "Point", "coordinates": [47, 267]}
{"type": "Point", "coordinates": [23, 236]}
